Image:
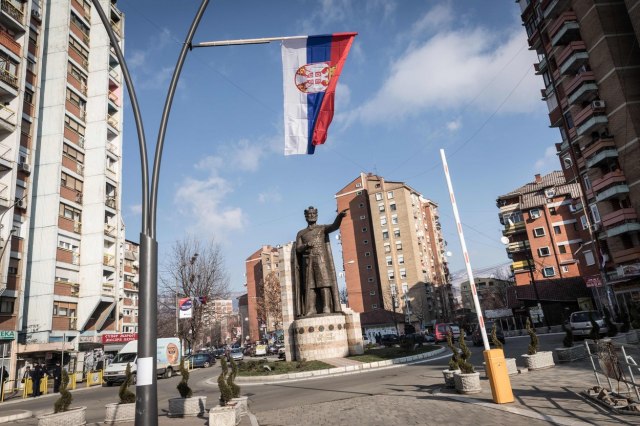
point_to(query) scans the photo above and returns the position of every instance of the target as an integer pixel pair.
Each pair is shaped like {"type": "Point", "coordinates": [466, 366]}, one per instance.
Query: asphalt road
{"type": "Point", "coordinates": [274, 396]}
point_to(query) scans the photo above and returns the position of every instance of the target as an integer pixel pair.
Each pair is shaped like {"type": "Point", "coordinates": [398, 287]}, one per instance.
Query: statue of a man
{"type": "Point", "coordinates": [316, 287]}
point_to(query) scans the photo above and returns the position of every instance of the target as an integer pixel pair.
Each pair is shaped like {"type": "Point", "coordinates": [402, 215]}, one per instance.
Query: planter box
{"type": "Point", "coordinates": [449, 381]}
{"type": "Point", "coordinates": [117, 413]}
{"type": "Point", "coordinates": [539, 361]}
{"type": "Point", "coordinates": [467, 383]}
{"type": "Point", "coordinates": [570, 354]}
{"type": "Point", "coordinates": [222, 416]}
{"type": "Point", "coordinates": [512, 367]}
{"type": "Point", "coordinates": [73, 417]}
{"type": "Point", "coordinates": [187, 407]}
{"type": "Point", "coordinates": [242, 404]}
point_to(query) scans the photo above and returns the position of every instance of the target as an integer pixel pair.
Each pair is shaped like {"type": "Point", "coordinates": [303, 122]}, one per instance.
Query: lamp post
{"type": "Point", "coordinates": [146, 385]}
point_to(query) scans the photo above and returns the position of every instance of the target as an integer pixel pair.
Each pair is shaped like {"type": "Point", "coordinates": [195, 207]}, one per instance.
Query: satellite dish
{"type": "Point", "coordinates": [504, 240]}
{"type": "Point", "coordinates": [550, 192]}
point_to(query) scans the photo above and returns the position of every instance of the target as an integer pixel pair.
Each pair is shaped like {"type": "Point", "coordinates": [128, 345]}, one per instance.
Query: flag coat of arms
{"type": "Point", "coordinates": [311, 68]}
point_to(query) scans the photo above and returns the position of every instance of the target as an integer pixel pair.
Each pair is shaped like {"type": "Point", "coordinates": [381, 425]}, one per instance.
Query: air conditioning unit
{"type": "Point", "coordinates": [22, 203]}
{"type": "Point", "coordinates": [25, 167]}
{"type": "Point", "coordinates": [599, 104]}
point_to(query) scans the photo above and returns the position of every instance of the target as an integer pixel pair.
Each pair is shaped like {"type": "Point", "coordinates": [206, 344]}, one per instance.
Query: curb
{"type": "Point", "coordinates": [20, 414]}
{"type": "Point", "coordinates": [351, 369]}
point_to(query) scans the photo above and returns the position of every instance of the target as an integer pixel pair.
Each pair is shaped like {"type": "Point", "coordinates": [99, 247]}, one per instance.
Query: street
{"type": "Point", "coordinates": [270, 397]}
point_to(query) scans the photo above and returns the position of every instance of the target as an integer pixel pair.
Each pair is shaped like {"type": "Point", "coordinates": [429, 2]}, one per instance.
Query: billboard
{"type": "Point", "coordinates": [119, 338]}
{"type": "Point", "coordinates": [186, 305]}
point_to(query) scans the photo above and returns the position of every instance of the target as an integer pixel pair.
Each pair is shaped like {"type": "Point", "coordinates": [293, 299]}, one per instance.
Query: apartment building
{"type": "Point", "coordinates": [60, 171]}
{"type": "Point", "coordinates": [258, 267]}
{"type": "Point", "coordinates": [393, 251]}
{"type": "Point", "coordinates": [589, 59]}
{"type": "Point", "coordinates": [130, 289]}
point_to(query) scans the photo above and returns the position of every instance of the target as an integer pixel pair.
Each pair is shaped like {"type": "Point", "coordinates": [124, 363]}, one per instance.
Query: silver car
{"type": "Point", "coordinates": [580, 323]}
{"type": "Point", "coordinates": [236, 354]}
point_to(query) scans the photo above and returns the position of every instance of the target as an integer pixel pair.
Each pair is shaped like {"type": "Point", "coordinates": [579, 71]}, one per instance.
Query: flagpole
{"type": "Point", "coordinates": [263, 40]}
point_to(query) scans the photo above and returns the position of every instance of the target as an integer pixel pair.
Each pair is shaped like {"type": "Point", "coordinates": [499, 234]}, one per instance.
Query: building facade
{"type": "Point", "coordinates": [131, 278]}
{"type": "Point", "coordinates": [60, 170]}
{"type": "Point", "coordinates": [392, 248]}
{"type": "Point", "coordinates": [589, 59]}
{"type": "Point", "coordinates": [259, 266]}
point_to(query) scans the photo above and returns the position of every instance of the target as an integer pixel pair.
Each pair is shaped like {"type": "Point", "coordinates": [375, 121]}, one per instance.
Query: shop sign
{"type": "Point", "coordinates": [7, 335]}
{"type": "Point", "coordinates": [593, 281]}
{"type": "Point", "coordinates": [119, 338]}
{"type": "Point", "coordinates": [88, 339]}
{"type": "Point", "coordinates": [629, 270]}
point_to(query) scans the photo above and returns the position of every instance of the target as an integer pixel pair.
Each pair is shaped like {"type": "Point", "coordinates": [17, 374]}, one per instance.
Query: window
{"type": "Point", "coordinates": [374, 306]}
{"type": "Point", "coordinates": [398, 245]}
{"type": "Point", "coordinates": [368, 266]}
{"type": "Point", "coordinates": [538, 232]}
{"type": "Point", "coordinates": [6, 305]}
{"type": "Point", "coordinates": [361, 205]}
{"type": "Point", "coordinates": [365, 241]}
{"type": "Point", "coordinates": [392, 207]}
{"type": "Point", "coordinates": [70, 212]}
{"type": "Point", "coordinates": [552, 211]}
{"type": "Point", "coordinates": [372, 293]}
{"type": "Point", "coordinates": [401, 259]}
{"type": "Point", "coordinates": [370, 280]}
{"type": "Point", "coordinates": [76, 100]}
{"type": "Point", "coordinates": [544, 251]}
{"type": "Point", "coordinates": [383, 220]}
{"type": "Point", "coordinates": [396, 233]}
{"type": "Point", "coordinates": [534, 213]}
{"type": "Point", "coordinates": [584, 222]}
{"type": "Point", "coordinates": [390, 195]}
{"type": "Point", "coordinates": [557, 230]}
{"type": "Point", "coordinates": [73, 153]}
{"type": "Point", "coordinates": [359, 193]}
{"type": "Point", "coordinates": [7, 64]}
{"type": "Point", "coordinates": [565, 268]}
{"type": "Point", "coordinates": [595, 214]}
{"type": "Point", "coordinates": [12, 270]}
{"type": "Point", "coordinates": [403, 274]}
{"type": "Point", "coordinates": [387, 247]}
{"type": "Point", "coordinates": [76, 73]}
{"type": "Point", "coordinates": [588, 257]}
{"type": "Point", "coordinates": [69, 181]}
{"type": "Point", "coordinates": [364, 229]}
{"type": "Point", "coordinates": [562, 248]}
{"type": "Point", "coordinates": [385, 235]}
{"type": "Point", "coordinates": [363, 217]}
{"type": "Point", "coordinates": [389, 261]}
{"type": "Point", "coordinates": [73, 125]}
{"type": "Point", "coordinates": [378, 196]}
{"type": "Point", "coordinates": [549, 271]}
{"type": "Point", "coordinates": [358, 185]}
{"type": "Point", "coordinates": [367, 254]}
{"type": "Point", "coordinates": [391, 274]}
{"type": "Point", "coordinates": [381, 207]}
{"type": "Point", "coordinates": [394, 219]}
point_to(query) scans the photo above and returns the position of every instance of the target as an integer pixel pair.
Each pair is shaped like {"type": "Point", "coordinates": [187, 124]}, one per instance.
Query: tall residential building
{"type": "Point", "coordinates": [129, 293]}
{"type": "Point", "coordinates": [392, 249]}
{"type": "Point", "coordinates": [258, 266]}
{"type": "Point", "coordinates": [589, 58]}
{"type": "Point", "coordinates": [60, 171]}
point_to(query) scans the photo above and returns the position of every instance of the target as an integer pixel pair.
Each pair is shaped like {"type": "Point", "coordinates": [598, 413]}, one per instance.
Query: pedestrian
{"type": "Point", "coordinates": [4, 377]}
{"type": "Point", "coordinates": [36, 376]}
{"type": "Point", "coordinates": [57, 375]}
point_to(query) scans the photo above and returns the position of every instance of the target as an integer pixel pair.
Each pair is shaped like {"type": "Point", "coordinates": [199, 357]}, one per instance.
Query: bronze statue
{"type": "Point", "coordinates": [315, 283]}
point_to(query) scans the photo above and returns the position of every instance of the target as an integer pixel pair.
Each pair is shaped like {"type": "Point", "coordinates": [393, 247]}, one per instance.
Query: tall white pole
{"type": "Point", "coordinates": [467, 263]}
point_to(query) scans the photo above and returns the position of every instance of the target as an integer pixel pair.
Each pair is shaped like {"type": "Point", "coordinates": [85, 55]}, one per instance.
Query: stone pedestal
{"type": "Point", "coordinates": [354, 331]}
{"type": "Point", "coordinates": [320, 337]}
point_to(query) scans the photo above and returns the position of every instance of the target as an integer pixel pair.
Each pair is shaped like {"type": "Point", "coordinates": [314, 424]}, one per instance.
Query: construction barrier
{"type": "Point", "coordinates": [10, 387]}
{"type": "Point", "coordinates": [27, 390]}
{"type": "Point", "coordinates": [94, 378]}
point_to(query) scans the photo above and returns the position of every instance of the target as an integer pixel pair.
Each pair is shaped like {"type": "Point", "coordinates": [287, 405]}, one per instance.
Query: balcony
{"type": "Point", "coordinates": [110, 202]}
{"type": "Point", "coordinates": [79, 32]}
{"type": "Point", "coordinates": [573, 57]}
{"type": "Point", "coordinates": [8, 84]}
{"type": "Point", "coordinates": [79, 85]}
{"type": "Point", "coordinates": [626, 255]}
{"type": "Point", "coordinates": [109, 230]}
{"type": "Point", "coordinates": [514, 229]}
{"type": "Point", "coordinates": [582, 88]}
{"type": "Point", "coordinates": [598, 145]}
{"type": "Point", "coordinates": [5, 196]}
{"type": "Point", "coordinates": [10, 44]}
{"type": "Point", "coordinates": [554, 7]}
{"type": "Point", "coordinates": [6, 162]}
{"type": "Point", "coordinates": [602, 156]}
{"type": "Point", "coordinates": [66, 288]}
{"type": "Point", "coordinates": [112, 148]}
{"type": "Point", "coordinates": [619, 190]}
{"type": "Point", "coordinates": [541, 66]}
{"type": "Point", "coordinates": [109, 260]}
{"type": "Point", "coordinates": [607, 180]}
{"type": "Point", "coordinates": [7, 120]}
{"type": "Point", "coordinates": [83, 8]}
{"type": "Point", "coordinates": [11, 16]}
{"type": "Point", "coordinates": [619, 216]}
{"type": "Point", "coordinates": [565, 29]}
{"type": "Point", "coordinates": [623, 229]}
{"type": "Point", "coordinates": [520, 265]}
{"type": "Point", "coordinates": [117, 28]}
{"type": "Point", "coordinates": [517, 246]}
{"type": "Point", "coordinates": [114, 98]}
{"type": "Point", "coordinates": [78, 57]}
{"type": "Point", "coordinates": [555, 117]}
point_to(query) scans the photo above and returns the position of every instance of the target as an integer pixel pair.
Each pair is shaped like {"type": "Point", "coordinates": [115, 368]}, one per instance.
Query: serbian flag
{"type": "Point", "coordinates": [311, 67]}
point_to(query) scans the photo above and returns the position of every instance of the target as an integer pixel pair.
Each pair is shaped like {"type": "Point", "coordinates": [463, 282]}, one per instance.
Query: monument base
{"type": "Point", "coordinates": [320, 337]}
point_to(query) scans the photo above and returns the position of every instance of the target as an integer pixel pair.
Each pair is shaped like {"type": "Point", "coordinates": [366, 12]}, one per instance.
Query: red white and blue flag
{"type": "Point", "coordinates": [311, 68]}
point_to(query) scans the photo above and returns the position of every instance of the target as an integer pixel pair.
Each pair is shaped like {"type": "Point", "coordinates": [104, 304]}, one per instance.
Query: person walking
{"type": "Point", "coordinates": [36, 377]}
{"type": "Point", "coordinates": [4, 377]}
{"type": "Point", "coordinates": [57, 376]}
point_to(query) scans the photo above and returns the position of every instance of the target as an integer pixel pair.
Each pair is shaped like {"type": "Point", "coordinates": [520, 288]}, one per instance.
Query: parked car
{"type": "Point", "coordinates": [201, 360]}
{"type": "Point", "coordinates": [236, 354]}
{"type": "Point", "coordinates": [389, 339]}
{"type": "Point", "coordinates": [476, 335]}
{"type": "Point", "coordinates": [441, 329]}
{"type": "Point", "coordinates": [414, 338]}
{"type": "Point", "coordinates": [260, 350]}
{"type": "Point", "coordinates": [429, 338]}
{"type": "Point", "coordinates": [580, 323]}
{"type": "Point", "coordinates": [219, 353]}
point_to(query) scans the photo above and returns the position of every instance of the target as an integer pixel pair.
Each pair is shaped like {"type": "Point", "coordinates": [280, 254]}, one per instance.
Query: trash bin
{"type": "Point", "coordinates": [498, 376]}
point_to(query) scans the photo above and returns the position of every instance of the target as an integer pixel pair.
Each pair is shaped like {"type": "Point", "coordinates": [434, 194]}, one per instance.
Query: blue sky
{"type": "Point", "coordinates": [421, 75]}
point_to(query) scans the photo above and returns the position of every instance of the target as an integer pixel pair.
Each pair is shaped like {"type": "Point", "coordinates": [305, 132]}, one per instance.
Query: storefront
{"type": "Point", "coordinates": [7, 355]}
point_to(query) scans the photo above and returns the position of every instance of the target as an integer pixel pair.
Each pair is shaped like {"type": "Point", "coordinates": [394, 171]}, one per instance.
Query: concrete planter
{"type": "Point", "coordinates": [512, 367]}
{"type": "Point", "coordinates": [187, 407]}
{"type": "Point", "coordinates": [570, 354]}
{"type": "Point", "coordinates": [449, 381]}
{"type": "Point", "coordinates": [242, 404]}
{"type": "Point", "coordinates": [467, 383]}
{"type": "Point", "coordinates": [117, 413]}
{"type": "Point", "coordinates": [222, 416]}
{"type": "Point", "coordinates": [73, 417]}
{"type": "Point", "coordinates": [539, 361]}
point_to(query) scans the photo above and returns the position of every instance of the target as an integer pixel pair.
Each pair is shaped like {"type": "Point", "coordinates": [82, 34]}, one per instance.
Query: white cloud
{"type": "Point", "coordinates": [440, 15]}
{"type": "Point", "coordinates": [135, 209]}
{"type": "Point", "coordinates": [454, 125]}
{"type": "Point", "coordinates": [457, 69]}
{"type": "Point", "coordinates": [547, 163]}
{"type": "Point", "coordinates": [272, 195]}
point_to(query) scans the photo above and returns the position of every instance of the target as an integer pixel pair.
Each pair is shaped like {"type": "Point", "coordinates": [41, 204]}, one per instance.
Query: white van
{"type": "Point", "coordinates": [168, 361]}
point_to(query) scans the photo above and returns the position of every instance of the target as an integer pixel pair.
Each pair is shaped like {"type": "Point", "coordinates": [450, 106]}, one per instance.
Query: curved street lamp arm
{"type": "Point", "coordinates": [165, 117]}
{"type": "Point", "coordinates": [136, 116]}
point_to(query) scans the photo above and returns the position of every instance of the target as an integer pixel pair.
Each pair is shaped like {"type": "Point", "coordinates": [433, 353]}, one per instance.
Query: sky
{"type": "Point", "coordinates": [421, 76]}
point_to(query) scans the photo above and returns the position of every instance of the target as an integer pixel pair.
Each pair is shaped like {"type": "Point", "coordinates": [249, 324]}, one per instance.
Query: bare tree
{"type": "Point", "coordinates": [344, 295]}
{"type": "Point", "coordinates": [273, 299]}
{"type": "Point", "coordinates": [194, 269]}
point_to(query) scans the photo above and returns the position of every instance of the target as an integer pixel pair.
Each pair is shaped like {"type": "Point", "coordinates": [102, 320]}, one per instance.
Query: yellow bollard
{"type": "Point", "coordinates": [44, 385]}
{"type": "Point", "coordinates": [27, 389]}
{"type": "Point", "coordinates": [498, 376]}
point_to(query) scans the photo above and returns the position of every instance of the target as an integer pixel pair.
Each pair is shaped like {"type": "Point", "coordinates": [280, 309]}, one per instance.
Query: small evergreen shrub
{"type": "Point", "coordinates": [63, 403]}
{"type": "Point", "coordinates": [225, 392]}
{"type": "Point", "coordinates": [494, 337]}
{"type": "Point", "coordinates": [183, 386]}
{"type": "Point", "coordinates": [465, 356]}
{"type": "Point", "coordinates": [454, 362]}
{"type": "Point", "coordinates": [126, 396]}
{"type": "Point", "coordinates": [231, 380]}
{"type": "Point", "coordinates": [533, 346]}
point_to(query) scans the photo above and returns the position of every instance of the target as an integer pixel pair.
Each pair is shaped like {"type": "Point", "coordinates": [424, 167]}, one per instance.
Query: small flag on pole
{"type": "Point", "coordinates": [311, 68]}
{"type": "Point", "coordinates": [186, 306]}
